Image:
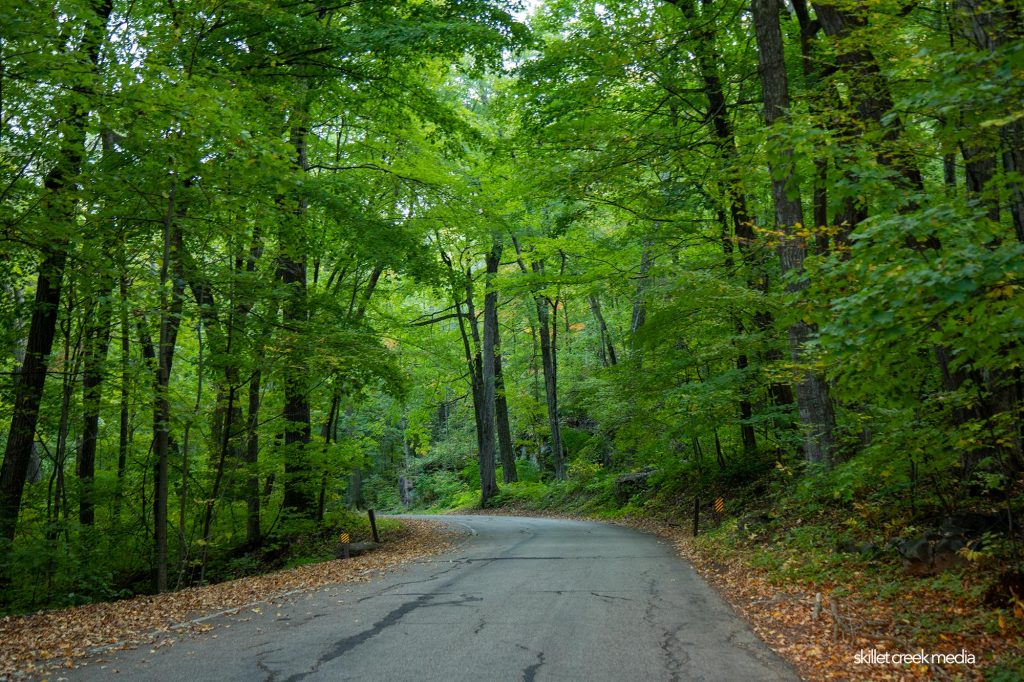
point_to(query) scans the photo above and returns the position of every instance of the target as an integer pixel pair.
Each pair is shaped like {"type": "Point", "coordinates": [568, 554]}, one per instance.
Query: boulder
{"type": "Point", "coordinates": [939, 549]}
{"type": "Point", "coordinates": [630, 484]}
{"type": "Point", "coordinates": [753, 522]}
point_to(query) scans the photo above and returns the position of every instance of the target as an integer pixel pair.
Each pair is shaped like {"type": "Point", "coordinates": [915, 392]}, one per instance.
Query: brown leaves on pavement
{"type": "Point", "coordinates": [30, 645]}
{"type": "Point", "coordinates": [822, 635]}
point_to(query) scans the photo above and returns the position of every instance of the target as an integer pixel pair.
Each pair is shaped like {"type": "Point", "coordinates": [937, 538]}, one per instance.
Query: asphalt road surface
{"type": "Point", "coordinates": [520, 599]}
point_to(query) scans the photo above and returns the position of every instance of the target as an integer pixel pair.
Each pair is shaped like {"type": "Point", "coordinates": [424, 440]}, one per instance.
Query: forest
{"type": "Point", "coordinates": [268, 263]}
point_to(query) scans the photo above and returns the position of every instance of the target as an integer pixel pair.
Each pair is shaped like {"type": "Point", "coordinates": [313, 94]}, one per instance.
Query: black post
{"type": "Point", "coordinates": [373, 525]}
{"type": "Point", "coordinates": [696, 514]}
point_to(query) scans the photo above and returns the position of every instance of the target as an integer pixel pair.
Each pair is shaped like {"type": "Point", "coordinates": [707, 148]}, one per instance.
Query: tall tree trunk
{"type": "Point", "coordinates": [97, 340]}
{"type": "Point", "coordinates": [548, 365]}
{"type": "Point", "coordinates": [488, 482]}
{"type": "Point", "coordinates": [986, 28]}
{"type": "Point", "coordinates": [608, 358]}
{"type": "Point", "coordinates": [217, 480]}
{"type": "Point", "coordinates": [747, 433]}
{"type": "Point", "coordinates": [505, 446]}
{"type": "Point", "coordinates": [870, 92]}
{"type": "Point", "coordinates": [474, 359]}
{"type": "Point", "coordinates": [730, 176]}
{"type": "Point", "coordinates": [328, 434]}
{"type": "Point", "coordinates": [124, 420]}
{"type": "Point", "coordinates": [298, 486]}
{"type": "Point", "coordinates": [253, 534]}
{"type": "Point", "coordinates": [28, 384]}
{"type": "Point", "coordinates": [639, 316]}
{"type": "Point", "coordinates": [59, 207]}
{"type": "Point", "coordinates": [547, 353]}
{"type": "Point", "coordinates": [171, 300]}
{"type": "Point", "coordinates": [813, 401]}
{"type": "Point", "coordinates": [20, 328]}
{"type": "Point", "coordinates": [69, 375]}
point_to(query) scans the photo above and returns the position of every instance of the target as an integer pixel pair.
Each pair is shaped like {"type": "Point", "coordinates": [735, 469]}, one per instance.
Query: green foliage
{"type": "Point", "coordinates": [327, 211]}
{"type": "Point", "coordinates": [1007, 670]}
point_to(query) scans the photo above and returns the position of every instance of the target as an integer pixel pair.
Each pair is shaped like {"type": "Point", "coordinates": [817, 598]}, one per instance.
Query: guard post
{"type": "Point", "coordinates": [373, 525]}
{"type": "Point", "coordinates": [696, 514]}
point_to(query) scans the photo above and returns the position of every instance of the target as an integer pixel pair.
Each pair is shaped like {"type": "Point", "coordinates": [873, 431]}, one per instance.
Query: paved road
{"type": "Point", "coordinates": [520, 599]}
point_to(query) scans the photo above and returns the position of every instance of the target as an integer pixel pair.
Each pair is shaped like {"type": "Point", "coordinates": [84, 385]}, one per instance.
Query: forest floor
{"type": "Point", "coordinates": [828, 631]}
{"type": "Point", "coordinates": [31, 646]}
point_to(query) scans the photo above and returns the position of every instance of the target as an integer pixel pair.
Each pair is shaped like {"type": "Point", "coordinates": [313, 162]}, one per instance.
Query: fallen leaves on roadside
{"type": "Point", "coordinates": [821, 636]}
{"type": "Point", "coordinates": [32, 644]}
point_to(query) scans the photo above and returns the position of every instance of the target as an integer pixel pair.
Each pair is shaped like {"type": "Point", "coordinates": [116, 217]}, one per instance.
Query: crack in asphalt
{"type": "Point", "coordinates": [455, 563]}
{"type": "Point", "coordinates": [261, 665]}
{"type": "Point", "coordinates": [610, 597]}
{"type": "Point", "coordinates": [530, 671]}
{"type": "Point", "coordinates": [347, 644]}
{"type": "Point", "coordinates": [674, 657]}
{"type": "Point", "coordinates": [655, 627]}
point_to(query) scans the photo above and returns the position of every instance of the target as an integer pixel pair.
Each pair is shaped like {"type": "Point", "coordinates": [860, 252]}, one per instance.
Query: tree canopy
{"type": "Point", "coordinates": [263, 263]}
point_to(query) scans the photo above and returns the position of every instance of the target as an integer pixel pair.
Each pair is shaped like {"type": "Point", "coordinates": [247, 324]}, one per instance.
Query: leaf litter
{"type": "Point", "coordinates": [821, 634]}
{"type": "Point", "coordinates": [35, 645]}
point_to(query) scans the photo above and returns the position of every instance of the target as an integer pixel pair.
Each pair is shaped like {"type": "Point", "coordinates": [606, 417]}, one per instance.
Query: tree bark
{"type": "Point", "coordinates": [639, 316]}
{"type": "Point", "coordinates": [488, 482]}
{"type": "Point", "coordinates": [548, 365]}
{"type": "Point", "coordinates": [97, 340]}
{"type": "Point", "coordinates": [29, 389]}
{"type": "Point", "coordinates": [547, 353]}
{"type": "Point", "coordinates": [28, 384]}
{"type": "Point", "coordinates": [608, 358]}
{"type": "Point", "coordinates": [253, 534]}
{"type": "Point", "coordinates": [813, 401]}
{"type": "Point", "coordinates": [123, 416]}
{"type": "Point", "coordinates": [505, 447]}
{"type": "Point", "coordinates": [298, 488]}
{"type": "Point", "coordinates": [870, 92]}
{"type": "Point", "coordinates": [171, 300]}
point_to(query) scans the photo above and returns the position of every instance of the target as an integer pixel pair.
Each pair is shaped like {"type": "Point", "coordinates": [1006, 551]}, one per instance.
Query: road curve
{"type": "Point", "coordinates": [520, 599]}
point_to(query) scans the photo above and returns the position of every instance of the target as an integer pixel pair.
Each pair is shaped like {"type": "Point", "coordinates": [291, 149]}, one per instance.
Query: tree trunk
{"type": "Point", "coordinates": [488, 483]}
{"type": "Point", "coordinates": [474, 358]}
{"type": "Point", "coordinates": [328, 434]}
{"type": "Point", "coordinates": [548, 364]}
{"type": "Point", "coordinates": [813, 400]}
{"type": "Point", "coordinates": [60, 208]}
{"type": "Point", "coordinates": [29, 390]}
{"type": "Point", "coordinates": [171, 300]}
{"type": "Point", "coordinates": [505, 446]}
{"type": "Point", "coordinates": [123, 417]}
{"type": "Point", "coordinates": [253, 534]}
{"type": "Point", "coordinates": [639, 316]}
{"type": "Point", "coordinates": [97, 340]}
{"type": "Point", "coordinates": [547, 353]}
{"type": "Point", "coordinates": [298, 486]}
{"type": "Point", "coordinates": [608, 358]}
{"type": "Point", "coordinates": [730, 175]}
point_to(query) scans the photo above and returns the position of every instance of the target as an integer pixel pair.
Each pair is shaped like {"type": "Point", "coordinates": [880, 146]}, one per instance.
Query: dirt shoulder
{"type": "Point", "coordinates": [830, 637]}
{"type": "Point", "coordinates": [31, 645]}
